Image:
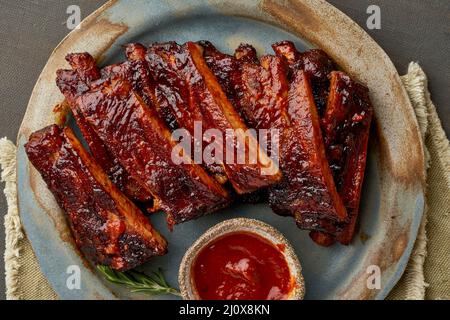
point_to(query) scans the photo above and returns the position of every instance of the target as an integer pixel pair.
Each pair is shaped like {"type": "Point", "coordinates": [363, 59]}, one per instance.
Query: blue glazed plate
{"type": "Point", "coordinates": [393, 197]}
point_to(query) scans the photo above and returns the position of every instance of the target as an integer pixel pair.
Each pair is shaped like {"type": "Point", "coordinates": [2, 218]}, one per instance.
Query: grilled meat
{"type": "Point", "coordinates": [317, 124]}
{"type": "Point", "coordinates": [315, 63]}
{"type": "Point", "coordinates": [346, 115]}
{"type": "Point", "coordinates": [136, 136]}
{"type": "Point", "coordinates": [73, 83]}
{"type": "Point", "coordinates": [227, 70]}
{"type": "Point", "coordinates": [308, 191]}
{"type": "Point", "coordinates": [107, 227]}
{"type": "Point", "coordinates": [265, 98]}
{"type": "Point", "coordinates": [136, 72]}
{"type": "Point", "coordinates": [346, 126]}
{"type": "Point", "coordinates": [188, 88]}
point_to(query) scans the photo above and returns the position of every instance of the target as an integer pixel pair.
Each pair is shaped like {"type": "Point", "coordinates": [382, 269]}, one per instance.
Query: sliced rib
{"type": "Point", "coordinates": [266, 99]}
{"type": "Point", "coordinates": [136, 71]}
{"type": "Point", "coordinates": [106, 225]}
{"type": "Point", "coordinates": [188, 88]}
{"type": "Point", "coordinates": [346, 116]}
{"type": "Point", "coordinates": [313, 194]}
{"type": "Point", "coordinates": [140, 140]}
{"type": "Point", "coordinates": [316, 64]}
{"type": "Point", "coordinates": [346, 126]}
{"type": "Point", "coordinates": [73, 83]}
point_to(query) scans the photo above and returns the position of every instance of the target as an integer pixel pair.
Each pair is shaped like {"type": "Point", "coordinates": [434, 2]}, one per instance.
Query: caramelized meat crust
{"type": "Point", "coordinates": [127, 112]}
{"type": "Point", "coordinates": [265, 98]}
{"type": "Point", "coordinates": [246, 53]}
{"type": "Point", "coordinates": [172, 99]}
{"type": "Point", "coordinates": [308, 191]}
{"type": "Point", "coordinates": [188, 88]}
{"type": "Point", "coordinates": [136, 72]}
{"type": "Point", "coordinates": [346, 126]}
{"type": "Point", "coordinates": [227, 70]}
{"type": "Point", "coordinates": [73, 83]}
{"type": "Point", "coordinates": [136, 136]}
{"type": "Point", "coordinates": [346, 115]}
{"type": "Point", "coordinates": [108, 228]}
{"type": "Point", "coordinates": [264, 93]}
{"type": "Point", "coordinates": [315, 63]}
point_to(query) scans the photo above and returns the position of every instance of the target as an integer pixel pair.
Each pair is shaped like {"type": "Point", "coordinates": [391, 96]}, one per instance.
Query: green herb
{"type": "Point", "coordinates": [154, 284]}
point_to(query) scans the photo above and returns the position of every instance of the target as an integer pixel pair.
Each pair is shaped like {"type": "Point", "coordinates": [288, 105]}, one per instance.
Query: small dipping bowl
{"type": "Point", "coordinates": [248, 227]}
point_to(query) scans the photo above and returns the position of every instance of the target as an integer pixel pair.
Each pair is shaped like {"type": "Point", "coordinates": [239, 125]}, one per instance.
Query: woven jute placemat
{"type": "Point", "coordinates": [427, 275]}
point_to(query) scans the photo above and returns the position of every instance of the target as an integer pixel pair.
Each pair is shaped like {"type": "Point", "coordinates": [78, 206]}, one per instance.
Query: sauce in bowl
{"type": "Point", "coordinates": [241, 266]}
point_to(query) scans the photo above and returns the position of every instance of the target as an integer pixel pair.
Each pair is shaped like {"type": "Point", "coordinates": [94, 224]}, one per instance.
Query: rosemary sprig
{"type": "Point", "coordinates": [154, 284]}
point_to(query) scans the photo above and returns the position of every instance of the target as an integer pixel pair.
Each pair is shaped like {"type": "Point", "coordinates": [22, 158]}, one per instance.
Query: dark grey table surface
{"type": "Point", "coordinates": [416, 30]}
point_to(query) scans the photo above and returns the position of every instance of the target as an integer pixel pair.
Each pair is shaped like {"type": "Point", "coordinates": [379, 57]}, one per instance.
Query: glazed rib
{"type": "Point", "coordinates": [346, 126]}
{"type": "Point", "coordinates": [264, 93]}
{"type": "Point", "coordinates": [143, 81]}
{"type": "Point", "coordinates": [316, 64]}
{"type": "Point", "coordinates": [259, 94]}
{"type": "Point", "coordinates": [73, 83]}
{"type": "Point", "coordinates": [188, 88]}
{"type": "Point", "coordinates": [307, 170]}
{"type": "Point", "coordinates": [346, 116]}
{"type": "Point", "coordinates": [142, 143]}
{"type": "Point", "coordinates": [227, 70]}
{"type": "Point", "coordinates": [136, 72]}
{"type": "Point", "coordinates": [127, 111]}
{"type": "Point", "coordinates": [266, 99]}
{"type": "Point", "coordinates": [108, 228]}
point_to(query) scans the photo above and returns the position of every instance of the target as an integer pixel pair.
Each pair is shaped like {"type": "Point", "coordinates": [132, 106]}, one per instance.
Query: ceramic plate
{"type": "Point", "coordinates": [393, 195]}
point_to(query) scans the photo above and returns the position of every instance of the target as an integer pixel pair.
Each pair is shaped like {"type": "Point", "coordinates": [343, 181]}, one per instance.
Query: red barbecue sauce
{"type": "Point", "coordinates": [241, 266]}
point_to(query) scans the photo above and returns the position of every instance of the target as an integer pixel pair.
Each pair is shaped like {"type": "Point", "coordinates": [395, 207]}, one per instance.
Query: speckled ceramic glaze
{"type": "Point", "coordinates": [187, 288]}
{"type": "Point", "coordinates": [393, 194]}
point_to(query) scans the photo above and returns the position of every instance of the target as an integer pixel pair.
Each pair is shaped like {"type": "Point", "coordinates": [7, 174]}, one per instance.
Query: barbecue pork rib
{"type": "Point", "coordinates": [75, 82]}
{"type": "Point", "coordinates": [266, 99]}
{"type": "Point", "coordinates": [346, 128]}
{"type": "Point", "coordinates": [108, 228]}
{"type": "Point", "coordinates": [228, 71]}
{"type": "Point", "coordinates": [346, 113]}
{"type": "Point", "coordinates": [316, 64]}
{"type": "Point", "coordinates": [135, 70]}
{"type": "Point", "coordinates": [140, 140]}
{"type": "Point", "coordinates": [310, 190]}
{"type": "Point", "coordinates": [136, 54]}
{"type": "Point", "coordinates": [190, 91]}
